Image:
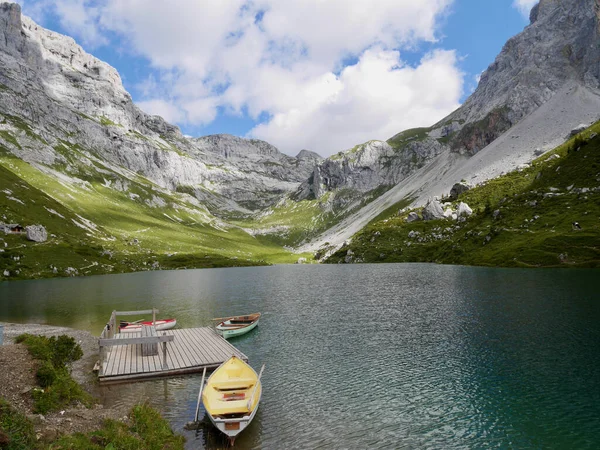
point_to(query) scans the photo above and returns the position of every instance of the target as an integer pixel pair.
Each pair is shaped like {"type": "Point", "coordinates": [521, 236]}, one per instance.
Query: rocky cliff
{"type": "Point", "coordinates": [560, 47]}
{"type": "Point", "coordinates": [545, 82]}
{"type": "Point", "coordinates": [57, 100]}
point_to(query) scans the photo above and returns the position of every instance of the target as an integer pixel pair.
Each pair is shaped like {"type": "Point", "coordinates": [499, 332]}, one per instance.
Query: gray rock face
{"type": "Point", "coordinates": [367, 167]}
{"type": "Point", "coordinates": [412, 217]}
{"type": "Point", "coordinates": [36, 233]}
{"type": "Point", "coordinates": [68, 98]}
{"type": "Point", "coordinates": [556, 48]}
{"type": "Point", "coordinates": [433, 211]}
{"type": "Point", "coordinates": [307, 154]}
{"type": "Point", "coordinates": [458, 189]}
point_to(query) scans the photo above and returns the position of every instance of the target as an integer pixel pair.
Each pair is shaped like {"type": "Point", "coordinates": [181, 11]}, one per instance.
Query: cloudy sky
{"type": "Point", "coordinates": [322, 75]}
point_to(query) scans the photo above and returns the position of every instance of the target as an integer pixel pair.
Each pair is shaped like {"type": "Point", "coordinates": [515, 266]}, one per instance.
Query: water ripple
{"type": "Point", "coordinates": [377, 357]}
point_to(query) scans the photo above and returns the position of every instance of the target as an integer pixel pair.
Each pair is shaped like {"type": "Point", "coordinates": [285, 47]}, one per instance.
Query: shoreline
{"type": "Point", "coordinates": [482, 266]}
{"type": "Point", "coordinates": [18, 380]}
{"type": "Point", "coordinates": [81, 370]}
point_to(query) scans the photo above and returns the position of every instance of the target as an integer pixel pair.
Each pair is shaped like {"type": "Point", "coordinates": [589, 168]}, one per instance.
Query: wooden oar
{"type": "Point", "coordinates": [200, 396]}
{"type": "Point", "coordinates": [255, 387]}
{"type": "Point", "coordinates": [220, 319]}
{"type": "Point", "coordinates": [131, 323]}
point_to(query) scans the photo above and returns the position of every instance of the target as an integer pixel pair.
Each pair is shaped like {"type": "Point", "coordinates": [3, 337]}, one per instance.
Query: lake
{"type": "Point", "coordinates": [370, 356]}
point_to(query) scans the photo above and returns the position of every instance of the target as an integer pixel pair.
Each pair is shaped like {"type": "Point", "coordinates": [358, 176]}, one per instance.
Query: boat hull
{"type": "Point", "coordinates": [232, 427]}
{"type": "Point", "coordinates": [234, 332]}
{"type": "Point", "coordinates": [160, 325]}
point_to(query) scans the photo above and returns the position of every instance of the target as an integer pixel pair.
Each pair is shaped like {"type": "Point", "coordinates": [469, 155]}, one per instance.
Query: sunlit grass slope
{"type": "Point", "coordinates": [95, 227]}
{"type": "Point", "coordinates": [291, 223]}
{"type": "Point", "coordinates": [522, 219]}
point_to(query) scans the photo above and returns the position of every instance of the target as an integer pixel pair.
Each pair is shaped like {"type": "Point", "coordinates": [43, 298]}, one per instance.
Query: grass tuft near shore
{"type": "Point", "coordinates": [54, 355]}
{"type": "Point", "coordinates": [16, 431]}
{"type": "Point", "coordinates": [143, 428]}
{"type": "Point", "coordinates": [146, 430]}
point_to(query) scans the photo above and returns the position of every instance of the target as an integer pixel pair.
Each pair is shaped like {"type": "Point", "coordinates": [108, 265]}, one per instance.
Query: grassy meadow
{"type": "Point", "coordinates": [521, 219]}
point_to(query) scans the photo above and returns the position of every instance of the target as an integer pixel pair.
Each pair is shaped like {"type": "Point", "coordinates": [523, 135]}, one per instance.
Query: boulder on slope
{"type": "Point", "coordinates": [36, 233]}
{"type": "Point", "coordinates": [458, 189]}
{"type": "Point", "coordinates": [464, 210]}
{"type": "Point", "coordinates": [433, 210]}
{"type": "Point", "coordinates": [578, 129]}
{"type": "Point", "coordinates": [412, 217]}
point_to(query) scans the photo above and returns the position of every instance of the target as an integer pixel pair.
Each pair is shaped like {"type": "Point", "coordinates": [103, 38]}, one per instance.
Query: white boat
{"type": "Point", "coordinates": [160, 325]}
{"type": "Point", "coordinates": [231, 396]}
{"type": "Point", "coordinates": [237, 325]}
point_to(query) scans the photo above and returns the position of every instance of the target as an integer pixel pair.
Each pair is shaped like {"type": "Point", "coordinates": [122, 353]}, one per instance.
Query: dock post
{"type": "Point", "coordinates": [153, 317]}
{"type": "Point", "coordinates": [101, 370]}
{"type": "Point", "coordinates": [113, 323]}
{"type": "Point", "coordinates": [165, 353]}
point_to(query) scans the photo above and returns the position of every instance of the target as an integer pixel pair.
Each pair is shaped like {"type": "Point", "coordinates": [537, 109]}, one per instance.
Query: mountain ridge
{"type": "Point", "coordinates": [533, 69]}
{"type": "Point", "coordinates": [68, 126]}
{"type": "Point", "coordinates": [79, 99]}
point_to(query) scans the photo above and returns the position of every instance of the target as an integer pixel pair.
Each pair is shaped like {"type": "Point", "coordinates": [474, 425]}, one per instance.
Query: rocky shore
{"type": "Point", "coordinates": [17, 380]}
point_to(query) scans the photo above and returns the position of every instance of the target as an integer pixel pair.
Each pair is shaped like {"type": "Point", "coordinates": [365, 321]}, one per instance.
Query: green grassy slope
{"type": "Point", "coordinates": [291, 223]}
{"type": "Point", "coordinates": [532, 227]}
{"type": "Point", "coordinates": [94, 228]}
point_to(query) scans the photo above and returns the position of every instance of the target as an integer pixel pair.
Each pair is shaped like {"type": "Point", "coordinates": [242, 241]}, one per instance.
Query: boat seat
{"type": "Point", "coordinates": [239, 383]}
{"type": "Point", "coordinates": [233, 396]}
{"type": "Point", "coordinates": [229, 407]}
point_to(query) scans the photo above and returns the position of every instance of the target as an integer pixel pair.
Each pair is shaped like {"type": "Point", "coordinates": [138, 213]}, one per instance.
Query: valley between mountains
{"type": "Point", "coordinates": [106, 188]}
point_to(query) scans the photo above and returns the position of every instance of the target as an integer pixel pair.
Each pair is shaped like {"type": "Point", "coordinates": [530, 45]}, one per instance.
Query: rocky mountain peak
{"type": "Point", "coordinates": [232, 147]}
{"type": "Point", "coordinates": [307, 154]}
{"type": "Point", "coordinates": [60, 106]}
{"type": "Point", "coordinates": [533, 15]}
{"type": "Point", "coordinates": [559, 47]}
{"type": "Point", "coordinates": [544, 8]}
{"type": "Point", "coordinates": [533, 65]}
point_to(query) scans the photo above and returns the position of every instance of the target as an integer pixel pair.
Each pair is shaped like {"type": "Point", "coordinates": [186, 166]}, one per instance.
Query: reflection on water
{"type": "Point", "coordinates": [379, 356]}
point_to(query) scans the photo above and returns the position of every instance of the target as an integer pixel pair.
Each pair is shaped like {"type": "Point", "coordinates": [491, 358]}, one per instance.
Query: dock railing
{"type": "Point", "coordinates": [107, 337]}
{"type": "Point", "coordinates": [111, 327]}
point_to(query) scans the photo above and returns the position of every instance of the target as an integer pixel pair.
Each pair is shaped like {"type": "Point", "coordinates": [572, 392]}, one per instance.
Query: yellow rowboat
{"type": "Point", "coordinates": [231, 396]}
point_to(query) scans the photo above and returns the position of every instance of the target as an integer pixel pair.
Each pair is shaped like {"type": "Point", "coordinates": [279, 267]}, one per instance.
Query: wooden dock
{"type": "Point", "coordinates": [125, 357]}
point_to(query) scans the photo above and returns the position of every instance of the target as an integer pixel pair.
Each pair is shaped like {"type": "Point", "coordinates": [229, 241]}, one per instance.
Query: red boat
{"type": "Point", "coordinates": [165, 324]}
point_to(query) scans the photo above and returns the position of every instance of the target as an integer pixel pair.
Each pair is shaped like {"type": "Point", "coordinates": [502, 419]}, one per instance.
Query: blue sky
{"type": "Point", "coordinates": [318, 74]}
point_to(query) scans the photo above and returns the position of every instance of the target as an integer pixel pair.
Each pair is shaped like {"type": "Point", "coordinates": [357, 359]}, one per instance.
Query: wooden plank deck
{"type": "Point", "coordinates": [191, 350]}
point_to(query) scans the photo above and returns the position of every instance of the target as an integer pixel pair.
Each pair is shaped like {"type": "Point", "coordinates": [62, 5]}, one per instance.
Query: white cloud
{"type": "Point", "coordinates": [78, 17]}
{"type": "Point", "coordinates": [333, 28]}
{"type": "Point", "coordinates": [375, 98]}
{"type": "Point", "coordinates": [525, 6]}
{"type": "Point", "coordinates": [286, 58]}
{"type": "Point", "coordinates": [168, 111]}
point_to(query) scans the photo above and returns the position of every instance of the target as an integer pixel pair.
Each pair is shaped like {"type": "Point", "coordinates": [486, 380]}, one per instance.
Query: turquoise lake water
{"type": "Point", "coordinates": [387, 356]}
